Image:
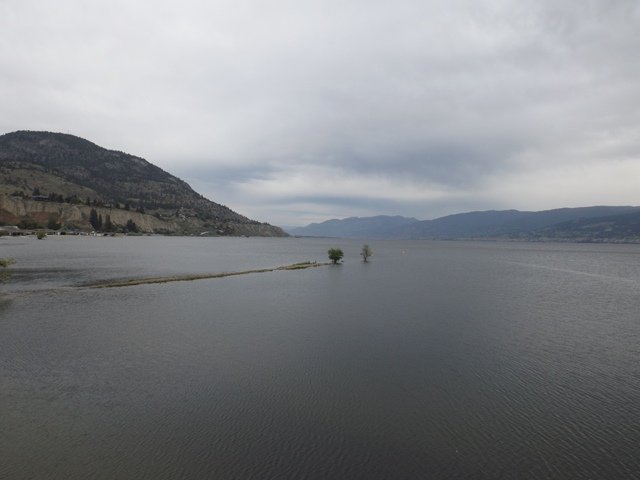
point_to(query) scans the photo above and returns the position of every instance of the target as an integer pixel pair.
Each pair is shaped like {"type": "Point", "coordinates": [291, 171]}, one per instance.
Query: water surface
{"type": "Point", "coordinates": [434, 360]}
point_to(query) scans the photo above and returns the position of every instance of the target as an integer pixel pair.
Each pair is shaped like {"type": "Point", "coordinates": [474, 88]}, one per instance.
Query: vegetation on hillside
{"type": "Point", "coordinates": [54, 167]}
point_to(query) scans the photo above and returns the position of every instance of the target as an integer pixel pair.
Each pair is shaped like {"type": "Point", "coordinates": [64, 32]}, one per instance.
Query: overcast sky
{"type": "Point", "coordinates": [298, 111]}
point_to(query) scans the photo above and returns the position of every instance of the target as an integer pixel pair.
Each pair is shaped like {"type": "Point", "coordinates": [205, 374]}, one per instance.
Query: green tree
{"type": "Point", "coordinates": [53, 223]}
{"type": "Point", "coordinates": [366, 252]}
{"type": "Point", "coordinates": [335, 255]}
{"type": "Point", "coordinates": [94, 220]}
{"type": "Point", "coordinates": [41, 234]}
{"type": "Point", "coordinates": [27, 223]}
{"type": "Point", "coordinates": [131, 226]}
{"type": "Point", "coordinates": [108, 226]}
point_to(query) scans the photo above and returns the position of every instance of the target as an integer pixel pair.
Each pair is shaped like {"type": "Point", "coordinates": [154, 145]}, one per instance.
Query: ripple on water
{"type": "Point", "coordinates": [448, 361]}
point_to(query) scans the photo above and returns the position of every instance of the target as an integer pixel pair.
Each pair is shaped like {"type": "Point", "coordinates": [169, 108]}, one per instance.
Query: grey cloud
{"type": "Point", "coordinates": [464, 95]}
{"type": "Point", "coordinates": [225, 174]}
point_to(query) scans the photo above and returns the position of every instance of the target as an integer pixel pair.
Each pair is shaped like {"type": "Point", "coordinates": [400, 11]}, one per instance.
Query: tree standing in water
{"type": "Point", "coordinates": [366, 252]}
{"type": "Point", "coordinates": [335, 255]}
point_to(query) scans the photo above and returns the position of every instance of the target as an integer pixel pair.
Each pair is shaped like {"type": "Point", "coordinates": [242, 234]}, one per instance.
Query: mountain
{"type": "Point", "coordinates": [512, 224]}
{"type": "Point", "coordinates": [622, 227]}
{"type": "Point", "coordinates": [380, 226]}
{"type": "Point", "coordinates": [62, 168]}
{"type": "Point", "coordinates": [586, 224]}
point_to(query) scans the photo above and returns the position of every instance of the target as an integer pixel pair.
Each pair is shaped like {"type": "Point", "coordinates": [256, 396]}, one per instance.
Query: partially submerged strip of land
{"type": "Point", "coordinates": [130, 282]}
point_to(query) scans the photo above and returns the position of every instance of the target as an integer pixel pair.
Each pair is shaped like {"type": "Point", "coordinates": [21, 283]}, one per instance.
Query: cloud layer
{"type": "Point", "coordinates": [298, 111]}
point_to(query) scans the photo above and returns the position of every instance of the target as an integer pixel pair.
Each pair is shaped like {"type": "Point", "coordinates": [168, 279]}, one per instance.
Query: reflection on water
{"type": "Point", "coordinates": [434, 360]}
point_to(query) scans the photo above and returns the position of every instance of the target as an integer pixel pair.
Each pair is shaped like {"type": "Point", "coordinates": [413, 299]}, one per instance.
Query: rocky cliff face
{"type": "Point", "coordinates": [72, 171]}
{"type": "Point", "coordinates": [13, 210]}
{"type": "Point", "coordinates": [77, 217]}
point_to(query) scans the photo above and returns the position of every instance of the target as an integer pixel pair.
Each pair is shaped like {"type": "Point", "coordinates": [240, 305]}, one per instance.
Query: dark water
{"type": "Point", "coordinates": [435, 360]}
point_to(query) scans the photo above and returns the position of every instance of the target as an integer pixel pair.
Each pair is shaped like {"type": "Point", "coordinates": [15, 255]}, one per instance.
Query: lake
{"type": "Point", "coordinates": [470, 360]}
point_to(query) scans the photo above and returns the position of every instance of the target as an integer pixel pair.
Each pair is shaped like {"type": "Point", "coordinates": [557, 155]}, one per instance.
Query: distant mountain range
{"type": "Point", "coordinates": [380, 226]}
{"type": "Point", "coordinates": [39, 170]}
{"type": "Point", "coordinates": [586, 224]}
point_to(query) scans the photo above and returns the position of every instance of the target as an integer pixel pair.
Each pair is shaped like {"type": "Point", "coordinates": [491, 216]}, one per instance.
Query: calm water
{"type": "Point", "coordinates": [435, 360]}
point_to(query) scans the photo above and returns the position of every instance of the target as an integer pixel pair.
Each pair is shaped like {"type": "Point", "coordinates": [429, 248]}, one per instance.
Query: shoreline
{"type": "Point", "coordinates": [192, 277]}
